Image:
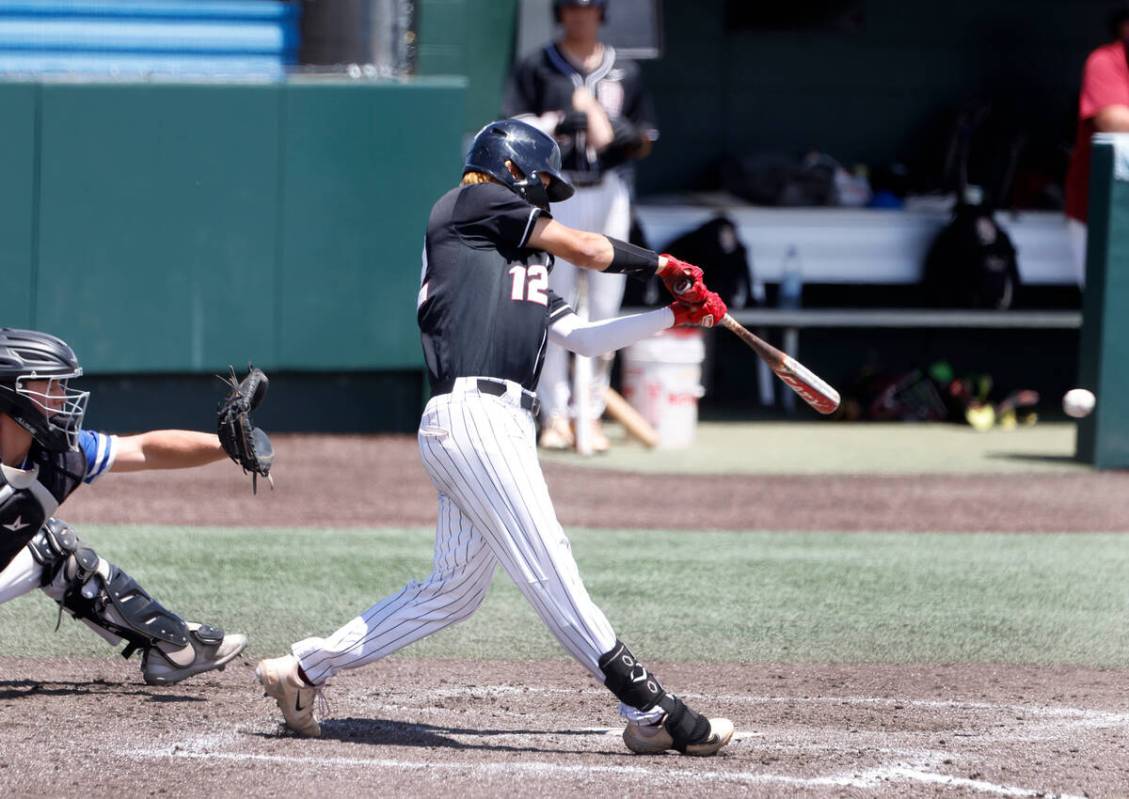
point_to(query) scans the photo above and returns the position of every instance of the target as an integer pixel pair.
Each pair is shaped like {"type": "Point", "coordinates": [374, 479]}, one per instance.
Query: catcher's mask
{"type": "Point", "coordinates": [534, 154]}
{"type": "Point", "coordinates": [35, 371]}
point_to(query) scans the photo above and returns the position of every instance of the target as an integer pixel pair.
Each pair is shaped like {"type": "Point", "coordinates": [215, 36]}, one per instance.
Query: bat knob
{"type": "Point", "coordinates": [682, 286]}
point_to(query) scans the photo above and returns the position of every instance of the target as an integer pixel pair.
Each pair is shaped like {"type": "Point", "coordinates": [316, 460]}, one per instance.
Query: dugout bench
{"type": "Point", "coordinates": [851, 247]}
{"type": "Point", "coordinates": [862, 246]}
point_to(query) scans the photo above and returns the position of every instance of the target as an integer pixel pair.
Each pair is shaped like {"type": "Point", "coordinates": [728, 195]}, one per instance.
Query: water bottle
{"type": "Point", "coordinates": [791, 280]}
{"type": "Point", "coordinates": [789, 299]}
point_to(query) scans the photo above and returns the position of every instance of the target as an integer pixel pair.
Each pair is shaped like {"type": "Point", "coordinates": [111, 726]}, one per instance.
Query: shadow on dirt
{"type": "Point", "coordinates": [22, 689]}
{"type": "Point", "coordinates": [381, 732]}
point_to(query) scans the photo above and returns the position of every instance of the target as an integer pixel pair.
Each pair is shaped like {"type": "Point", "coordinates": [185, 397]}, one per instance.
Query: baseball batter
{"type": "Point", "coordinates": [578, 90]}
{"type": "Point", "coordinates": [45, 456]}
{"type": "Point", "coordinates": [486, 312]}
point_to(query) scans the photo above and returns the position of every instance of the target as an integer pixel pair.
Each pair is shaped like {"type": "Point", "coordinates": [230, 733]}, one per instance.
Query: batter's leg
{"type": "Point", "coordinates": [461, 573]}
{"type": "Point", "coordinates": [462, 569]}
{"type": "Point", "coordinates": [488, 466]}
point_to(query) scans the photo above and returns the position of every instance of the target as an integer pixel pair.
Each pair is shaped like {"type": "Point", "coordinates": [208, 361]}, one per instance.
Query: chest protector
{"type": "Point", "coordinates": [29, 496]}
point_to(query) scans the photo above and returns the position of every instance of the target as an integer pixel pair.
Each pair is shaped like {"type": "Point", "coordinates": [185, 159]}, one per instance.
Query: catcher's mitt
{"type": "Point", "coordinates": [247, 445]}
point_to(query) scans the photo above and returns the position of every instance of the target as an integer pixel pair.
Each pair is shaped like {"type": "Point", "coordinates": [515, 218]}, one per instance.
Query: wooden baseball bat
{"type": "Point", "coordinates": [633, 422]}
{"type": "Point", "coordinates": [811, 388]}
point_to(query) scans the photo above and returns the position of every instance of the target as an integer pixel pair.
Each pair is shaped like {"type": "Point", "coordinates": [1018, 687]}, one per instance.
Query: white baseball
{"type": "Point", "coordinates": [1078, 402]}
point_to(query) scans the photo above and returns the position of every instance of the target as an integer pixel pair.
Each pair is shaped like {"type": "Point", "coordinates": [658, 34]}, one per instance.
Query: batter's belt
{"type": "Point", "coordinates": [494, 387]}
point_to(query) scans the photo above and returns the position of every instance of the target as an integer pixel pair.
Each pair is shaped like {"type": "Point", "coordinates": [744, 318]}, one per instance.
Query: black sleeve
{"type": "Point", "coordinates": [489, 215]}
{"type": "Point", "coordinates": [557, 307]}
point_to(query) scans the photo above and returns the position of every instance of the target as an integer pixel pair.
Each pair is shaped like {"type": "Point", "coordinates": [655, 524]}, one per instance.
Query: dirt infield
{"type": "Point", "coordinates": [435, 728]}
{"type": "Point", "coordinates": [428, 727]}
{"type": "Point", "coordinates": [379, 481]}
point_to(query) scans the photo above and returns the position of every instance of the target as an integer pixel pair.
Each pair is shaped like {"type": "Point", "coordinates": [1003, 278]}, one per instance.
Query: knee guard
{"type": "Point", "coordinates": [633, 685]}
{"type": "Point", "coordinates": [98, 592]}
{"type": "Point", "coordinates": [51, 546]}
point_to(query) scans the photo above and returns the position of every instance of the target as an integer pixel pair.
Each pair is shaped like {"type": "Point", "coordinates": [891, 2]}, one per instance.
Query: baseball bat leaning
{"type": "Point", "coordinates": [632, 421]}
{"type": "Point", "coordinates": [811, 388]}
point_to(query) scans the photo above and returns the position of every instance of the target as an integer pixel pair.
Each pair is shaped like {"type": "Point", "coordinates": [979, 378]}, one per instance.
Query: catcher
{"type": "Point", "coordinates": [45, 455]}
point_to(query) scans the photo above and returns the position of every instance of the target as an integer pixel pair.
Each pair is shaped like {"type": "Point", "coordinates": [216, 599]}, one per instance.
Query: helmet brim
{"type": "Point", "coordinates": [559, 188]}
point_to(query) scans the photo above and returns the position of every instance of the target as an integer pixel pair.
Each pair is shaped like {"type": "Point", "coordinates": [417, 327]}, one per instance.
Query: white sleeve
{"type": "Point", "coordinates": [596, 338]}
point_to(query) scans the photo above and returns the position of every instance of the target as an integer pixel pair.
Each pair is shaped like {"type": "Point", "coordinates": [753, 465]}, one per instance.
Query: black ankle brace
{"type": "Point", "coordinates": [684, 725]}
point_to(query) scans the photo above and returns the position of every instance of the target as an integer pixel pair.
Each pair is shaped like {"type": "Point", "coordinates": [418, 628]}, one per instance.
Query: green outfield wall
{"type": "Point", "coordinates": [474, 38]}
{"type": "Point", "coordinates": [1103, 437]}
{"type": "Point", "coordinates": [176, 228]}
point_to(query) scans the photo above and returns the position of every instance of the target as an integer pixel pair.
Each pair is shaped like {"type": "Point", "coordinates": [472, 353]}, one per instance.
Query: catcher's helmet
{"type": "Point", "coordinates": [54, 415]}
{"type": "Point", "coordinates": [534, 153]}
{"type": "Point", "coordinates": [600, 4]}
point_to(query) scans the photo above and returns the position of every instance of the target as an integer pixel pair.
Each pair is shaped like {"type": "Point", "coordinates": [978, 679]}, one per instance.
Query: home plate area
{"type": "Point", "coordinates": [441, 727]}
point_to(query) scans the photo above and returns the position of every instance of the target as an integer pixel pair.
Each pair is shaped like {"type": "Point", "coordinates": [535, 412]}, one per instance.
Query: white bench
{"type": "Point", "coordinates": [845, 245]}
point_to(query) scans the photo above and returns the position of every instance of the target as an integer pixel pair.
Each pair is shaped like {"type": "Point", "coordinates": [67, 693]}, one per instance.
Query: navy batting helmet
{"type": "Point", "coordinates": [53, 415]}
{"type": "Point", "coordinates": [600, 4]}
{"type": "Point", "coordinates": [534, 154]}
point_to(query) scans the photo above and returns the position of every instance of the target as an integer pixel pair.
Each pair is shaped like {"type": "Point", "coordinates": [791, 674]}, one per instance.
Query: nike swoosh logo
{"type": "Point", "coordinates": [298, 702]}
{"type": "Point", "coordinates": [17, 525]}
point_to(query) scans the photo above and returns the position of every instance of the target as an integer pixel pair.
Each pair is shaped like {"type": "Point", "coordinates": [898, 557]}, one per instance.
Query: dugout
{"type": "Point", "coordinates": [176, 198]}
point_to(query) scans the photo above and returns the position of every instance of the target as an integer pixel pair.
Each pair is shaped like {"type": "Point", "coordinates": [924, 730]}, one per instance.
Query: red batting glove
{"type": "Point", "coordinates": [704, 314]}
{"type": "Point", "coordinates": [683, 280]}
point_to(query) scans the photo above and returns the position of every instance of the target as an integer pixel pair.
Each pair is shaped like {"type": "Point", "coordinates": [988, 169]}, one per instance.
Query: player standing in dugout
{"type": "Point", "coordinates": [593, 103]}
{"type": "Point", "coordinates": [486, 310]}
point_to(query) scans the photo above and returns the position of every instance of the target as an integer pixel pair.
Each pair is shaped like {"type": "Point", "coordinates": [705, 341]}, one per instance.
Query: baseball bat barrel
{"type": "Point", "coordinates": [810, 387]}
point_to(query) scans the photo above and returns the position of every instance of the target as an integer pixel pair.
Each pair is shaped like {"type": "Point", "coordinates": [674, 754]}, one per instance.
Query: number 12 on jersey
{"type": "Point", "coordinates": [529, 284]}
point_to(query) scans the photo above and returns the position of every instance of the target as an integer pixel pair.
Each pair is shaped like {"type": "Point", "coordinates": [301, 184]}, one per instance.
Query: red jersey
{"type": "Point", "coordinates": [1105, 82]}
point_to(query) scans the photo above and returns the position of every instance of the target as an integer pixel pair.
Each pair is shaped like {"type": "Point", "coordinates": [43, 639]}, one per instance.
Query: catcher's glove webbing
{"type": "Point", "coordinates": [247, 445]}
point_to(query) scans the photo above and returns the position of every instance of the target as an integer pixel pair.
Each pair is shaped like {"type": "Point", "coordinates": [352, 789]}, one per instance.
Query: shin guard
{"type": "Point", "coordinates": [633, 685]}
{"type": "Point", "coordinates": [99, 593]}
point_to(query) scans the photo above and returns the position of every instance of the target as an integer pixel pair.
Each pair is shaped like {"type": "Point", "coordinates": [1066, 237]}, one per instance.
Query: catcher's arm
{"type": "Point", "coordinates": [165, 449]}
{"type": "Point", "coordinates": [244, 443]}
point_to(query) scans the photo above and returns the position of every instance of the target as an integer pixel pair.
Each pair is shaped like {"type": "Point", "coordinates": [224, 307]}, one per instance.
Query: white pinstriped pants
{"type": "Point", "coordinates": [494, 508]}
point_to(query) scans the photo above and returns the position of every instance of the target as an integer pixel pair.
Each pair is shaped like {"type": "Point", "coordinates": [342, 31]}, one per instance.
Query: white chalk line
{"type": "Point", "coordinates": [202, 749]}
{"type": "Point", "coordinates": [1079, 716]}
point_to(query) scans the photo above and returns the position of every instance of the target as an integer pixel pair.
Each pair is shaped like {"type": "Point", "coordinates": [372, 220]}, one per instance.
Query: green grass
{"type": "Point", "coordinates": [825, 447]}
{"type": "Point", "coordinates": [751, 597]}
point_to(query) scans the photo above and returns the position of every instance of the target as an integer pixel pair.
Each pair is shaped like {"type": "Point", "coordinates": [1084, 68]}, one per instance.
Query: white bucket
{"type": "Point", "coordinates": [662, 379]}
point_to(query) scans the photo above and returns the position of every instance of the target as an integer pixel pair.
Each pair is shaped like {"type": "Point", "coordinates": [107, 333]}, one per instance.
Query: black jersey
{"type": "Point", "coordinates": [485, 305]}
{"type": "Point", "coordinates": [546, 80]}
